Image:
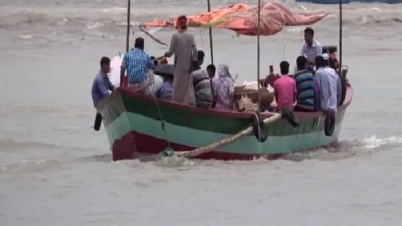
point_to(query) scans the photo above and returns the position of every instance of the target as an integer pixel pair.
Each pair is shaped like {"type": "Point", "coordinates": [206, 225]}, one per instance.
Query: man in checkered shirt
{"type": "Point", "coordinates": [137, 64]}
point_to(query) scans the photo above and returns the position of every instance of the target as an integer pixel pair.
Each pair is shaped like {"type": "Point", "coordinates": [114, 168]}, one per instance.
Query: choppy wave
{"type": "Point", "coordinates": [343, 150]}
{"type": "Point", "coordinates": [8, 144]}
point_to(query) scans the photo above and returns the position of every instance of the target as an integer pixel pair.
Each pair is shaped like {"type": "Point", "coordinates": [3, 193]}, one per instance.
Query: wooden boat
{"type": "Point", "coordinates": [138, 124]}
{"type": "Point", "coordinates": [133, 125]}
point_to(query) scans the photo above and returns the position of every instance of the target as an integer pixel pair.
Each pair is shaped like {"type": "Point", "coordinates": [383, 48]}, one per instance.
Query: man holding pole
{"type": "Point", "coordinates": [182, 45]}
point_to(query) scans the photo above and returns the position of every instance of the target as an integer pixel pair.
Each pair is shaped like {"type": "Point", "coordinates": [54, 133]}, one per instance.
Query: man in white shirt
{"type": "Point", "coordinates": [311, 48]}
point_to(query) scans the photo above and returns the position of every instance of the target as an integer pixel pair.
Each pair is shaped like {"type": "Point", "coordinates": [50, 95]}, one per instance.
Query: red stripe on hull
{"type": "Point", "coordinates": [131, 142]}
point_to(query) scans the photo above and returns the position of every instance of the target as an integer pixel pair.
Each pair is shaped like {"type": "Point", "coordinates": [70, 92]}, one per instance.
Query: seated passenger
{"type": "Point", "coordinates": [305, 86]}
{"type": "Point", "coordinates": [343, 79]}
{"type": "Point", "coordinates": [202, 84]}
{"type": "Point", "coordinates": [223, 88]}
{"type": "Point", "coordinates": [333, 77]}
{"type": "Point", "coordinates": [285, 88]}
{"type": "Point", "coordinates": [327, 85]}
{"type": "Point", "coordinates": [211, 71]}
{"type": "Point", "coordinates": [165, 92]}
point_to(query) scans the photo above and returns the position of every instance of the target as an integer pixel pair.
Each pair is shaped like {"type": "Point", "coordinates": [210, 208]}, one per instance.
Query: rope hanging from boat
{"type": "Point", "coordinates": [163, 123]}
{"type": "Point", "coordinates": [203, 150]}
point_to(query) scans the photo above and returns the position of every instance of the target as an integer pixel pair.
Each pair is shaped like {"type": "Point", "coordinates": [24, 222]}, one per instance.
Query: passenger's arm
{"type": "Point", "coordinates": [124, 65]}
{"type": "Point", "coordinates": [110, 85]}
{"type": "Point", "coordinates": [150, 63]}
{"type": "Point", "coordinates": [294, 92]}
{"type": "Point", "coordinates": [172, 47]}
{"type": "Point", "coordinates": [275, 92]}
{"type": "Point", "coordinates": [102, 88]}
{"type": "Point", "coordinates": [194, 50]}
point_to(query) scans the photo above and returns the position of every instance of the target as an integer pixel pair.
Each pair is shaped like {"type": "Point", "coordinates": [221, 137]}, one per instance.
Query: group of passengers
{"type": "Point", "coordinates": [322, 89]}
{"type": "Point", "coordinates": [307, 90]}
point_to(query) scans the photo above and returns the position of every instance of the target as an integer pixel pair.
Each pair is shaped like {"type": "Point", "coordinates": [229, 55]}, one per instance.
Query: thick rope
{"type": "Point", "coordinates": [162, 121]}
{"type": "Point", "coordinates": [218, 144]}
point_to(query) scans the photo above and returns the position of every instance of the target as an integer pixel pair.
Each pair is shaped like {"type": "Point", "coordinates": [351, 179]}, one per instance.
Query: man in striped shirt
{"type": "Point", "coordinates": [305, 86]}
{"type": "Point", "coordinates": [137, 63]}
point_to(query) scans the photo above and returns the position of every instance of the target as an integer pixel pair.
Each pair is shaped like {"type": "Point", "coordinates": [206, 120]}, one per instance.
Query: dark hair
{"type": "Point", "coordinates": [284, 67]}
{"type": "Point", "coordinates": [200, 55]}
{"type": "Point", "coordinates": [332, 63]}
{"type": "Point", "coordinates": [139, 43]}
{"type": "Point", "coordinates": [301, 62]}
{"type": "Point", "coordinates": [212, 68]}
{"type": "Point", "coordinates": [104, 60]}
{"type": "Point", "coordinates": [319, 62]}
{"type": "Point", "coordinates": [309, 30]}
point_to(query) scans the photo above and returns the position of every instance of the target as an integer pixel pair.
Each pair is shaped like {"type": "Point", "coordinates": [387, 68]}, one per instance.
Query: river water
{"type": "Point", "coordinates": [55, 170]}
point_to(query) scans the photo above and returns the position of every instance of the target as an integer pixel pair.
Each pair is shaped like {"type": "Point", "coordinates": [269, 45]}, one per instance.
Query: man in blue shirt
{"type": "Point", "coordinates": [137, 63]}
{"type": "Point", "coordinates": [101, 84]}
{"type": "Point", "coordinates": [100, 88]}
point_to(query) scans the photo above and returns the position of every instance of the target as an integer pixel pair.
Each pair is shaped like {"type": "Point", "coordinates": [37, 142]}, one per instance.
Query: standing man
{"type": "Point", "coordinates": [328, 86]}
{"type": "Point", "coordinates": [101, 84]}
{"type": "Point", "coordinates": [137, 63]}
{"type": "Point", "coordinates": [100, 88]}
{"type": "Point", "coordinates": [311, 48]}
{"type": "Point", "coordinates": [182, 45]}
{"type": "Point", "coordinates": [334, 79]}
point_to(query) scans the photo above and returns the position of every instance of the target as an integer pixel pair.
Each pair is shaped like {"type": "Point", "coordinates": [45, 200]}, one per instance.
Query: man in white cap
{"type": "Point", "coordinates": [311, 48]}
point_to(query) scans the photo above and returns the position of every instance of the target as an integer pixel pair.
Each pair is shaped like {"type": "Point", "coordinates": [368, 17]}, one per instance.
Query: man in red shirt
{"type": "Point", "coordinates": [285, 88]}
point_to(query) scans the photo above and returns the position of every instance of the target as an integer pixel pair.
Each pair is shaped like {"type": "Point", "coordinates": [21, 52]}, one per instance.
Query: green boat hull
{"type": "Point", "coordinates": [138, 124]}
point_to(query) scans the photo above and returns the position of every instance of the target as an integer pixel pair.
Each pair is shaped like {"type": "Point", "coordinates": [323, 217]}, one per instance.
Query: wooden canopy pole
{"type": "Point", "coordinates": [258, 53]}
{"type": "Point", "coordinates": [211, 44]}
{"type": "Point", "coordinates": [340, 35]}
{"type": "Point", "coordinates": [128, 25]}
{"type": "Point", "coordinates": [127, 35]}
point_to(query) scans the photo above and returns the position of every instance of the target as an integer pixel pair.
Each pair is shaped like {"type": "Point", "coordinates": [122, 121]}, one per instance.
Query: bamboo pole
{"type": "Point", "coordinates": [258, 53]}
{"type": "Point", "coordinates": [218, 144]}
{"type": "Point", "coordinates": [128, 25]}
{"type": "Point", "coordinates": [211, 44]}
{"type": "Point", "coordinates": [340, 35]}
{"type": "Point", "coordinates": [127, 35]}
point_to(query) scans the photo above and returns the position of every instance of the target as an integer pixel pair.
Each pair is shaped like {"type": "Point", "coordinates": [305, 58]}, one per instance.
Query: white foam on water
{"type": "Point", "coordinates": [374, 142]}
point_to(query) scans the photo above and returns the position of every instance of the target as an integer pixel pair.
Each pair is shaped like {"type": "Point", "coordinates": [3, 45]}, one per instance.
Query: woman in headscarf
{"type": "Point", "coordinates": [182, 45]}
{"type": "Point", "coordinates": [223, 86]}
